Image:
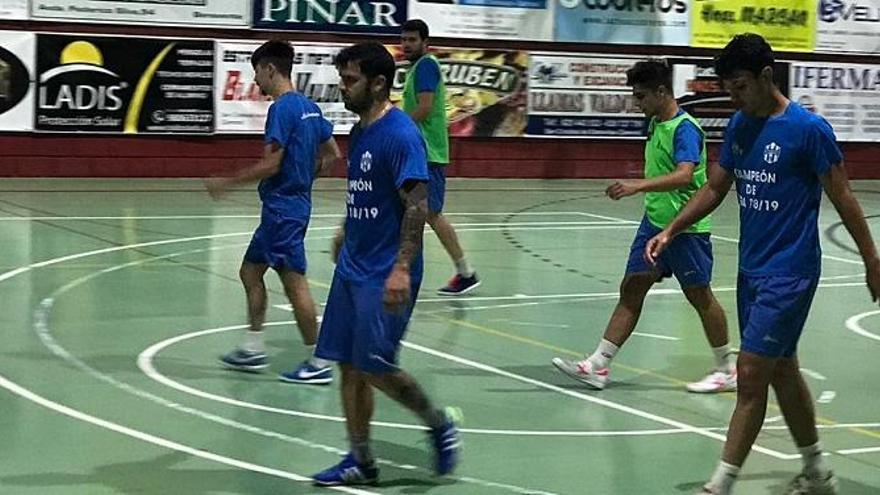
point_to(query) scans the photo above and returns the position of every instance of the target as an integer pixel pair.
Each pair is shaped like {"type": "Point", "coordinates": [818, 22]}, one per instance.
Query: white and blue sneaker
{"type": "Point", "coordinates": [244, 360]}
{"type": "Point", "coordinates": [347, 472]}
{"type": "Point", "coordinates": [447, 446]}
{"type": "Point", "coordinates": [308, 374]}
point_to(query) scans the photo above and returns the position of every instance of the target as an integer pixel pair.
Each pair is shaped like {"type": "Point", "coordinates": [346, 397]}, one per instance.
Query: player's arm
{"type": "Point", "coordinates": [677, 179]}
{"type": "Point", "coordinates": [414, 196]}
{"type": "Point", "coordinates": [836, 185]}
{"type": "Point", "coordinates": [426, 102]}
{"type": "Point", "coordinates": [328, 155]}
{"type": "Point", "coordinates": [706, 199]}
{"type": "Point", "coordinates": [267, 166]}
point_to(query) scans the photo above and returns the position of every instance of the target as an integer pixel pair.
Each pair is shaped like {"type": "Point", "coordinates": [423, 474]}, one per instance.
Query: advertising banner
{"type": "Point", "coordinates": [847, 95]}
{"type": "Point", "coordinates": [651, 22]}
{"type": "Point", "coordinates": [581, 96]}
{"type": "Point", "coordinates": [487, 19]}
{"type": "Point", "coordinates": [241, 108]}
{"type": "Point", "coordinates": [485, 89]}
{"type": "Point", "coordinates": [788, 25]}
{"type": "Point", "coordinates": [124, 85]}
{"type": "Point", "coordinates": [13, 9]}
{"type": "Point", "coordinates": [344, 16]}
{"type": "Point", "coordinates": [16, 76]}
{"type": "Point", "coordinates": [700, 94]}
{"type": "Point", "coordinates": [848, 26]}
{"type": "Point", "coordinates": [183, 12]}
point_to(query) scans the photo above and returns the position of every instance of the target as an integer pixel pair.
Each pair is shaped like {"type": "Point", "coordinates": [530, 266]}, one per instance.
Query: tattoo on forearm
{"type": "Point", "coordinates": [415, 205]}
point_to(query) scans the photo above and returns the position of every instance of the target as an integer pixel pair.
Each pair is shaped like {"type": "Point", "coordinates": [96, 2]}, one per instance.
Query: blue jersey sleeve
{"type": "Point", "coordinates": [409, 159]}
{"type": "Point", "coordinates": [687, 143]}
{"type": "Point", "coordinates": [427, 76]}
{"type": "Point", "coordinates": [821, 151]}
{"type": "Point", "coordinates": [326, 130]}
{"type": "Point", "coordinates": [279, 124]}
{"type": "Point", "coordinates": [726, 158]}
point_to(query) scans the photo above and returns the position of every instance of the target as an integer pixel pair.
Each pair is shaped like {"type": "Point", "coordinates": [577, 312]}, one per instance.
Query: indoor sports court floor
{"type": "Point", "coordinates": [118, 296]}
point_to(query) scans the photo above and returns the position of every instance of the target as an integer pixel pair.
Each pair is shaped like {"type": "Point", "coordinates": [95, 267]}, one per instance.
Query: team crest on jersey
{"type": "Point", "coordinates": [366, 162]}
{"type": "Point", "coordinates": [772, 152]}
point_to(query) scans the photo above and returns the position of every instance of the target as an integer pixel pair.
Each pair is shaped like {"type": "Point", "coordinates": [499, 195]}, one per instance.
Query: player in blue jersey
{"type": "Point", "coordinates": [298, 146]}
{"type": "Point", "coordinates": [378, 255]}
{"type": "Point", "coordinates": [781, 157]}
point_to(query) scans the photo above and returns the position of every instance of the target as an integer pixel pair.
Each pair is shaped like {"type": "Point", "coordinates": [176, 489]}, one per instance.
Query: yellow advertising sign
{"type": "Point", "coordinates": [788, 25]}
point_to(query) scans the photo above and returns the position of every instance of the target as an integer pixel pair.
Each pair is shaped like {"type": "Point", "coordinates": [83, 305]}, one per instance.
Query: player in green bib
{"type": "Point", "coordinates": [675, 168]}
{"type": "Point", "coordinates": [424, 99]}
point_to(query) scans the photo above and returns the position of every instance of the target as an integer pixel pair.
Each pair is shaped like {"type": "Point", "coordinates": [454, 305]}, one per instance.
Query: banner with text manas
{"type": "Point", "coordinates": [788, 25]}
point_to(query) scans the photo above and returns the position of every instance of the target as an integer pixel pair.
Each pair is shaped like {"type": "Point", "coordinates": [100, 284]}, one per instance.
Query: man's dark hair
{"type": "Point", "coordinates": [372, 58]}
{"type": "Point", "coordinates": [651, 74]}
{"type": "Point", "coordinates": [415, 25]}
{"type": "Point", "coordinates": [276, 52]}
{"type": "Point", "coordinates": [749, 52]}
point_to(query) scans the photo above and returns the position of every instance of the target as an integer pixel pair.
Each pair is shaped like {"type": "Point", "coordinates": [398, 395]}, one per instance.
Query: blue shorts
{"type": "Point", "coordinates": [357, 330]}
{"type": "Point", "coordinates": [436, 187]}
{"type": "Point", "coordinates": [772, 311]}
{"type": "Point", "coordinates": [279, 242]}
{"type": "Point", "coordinates": [688, 256]}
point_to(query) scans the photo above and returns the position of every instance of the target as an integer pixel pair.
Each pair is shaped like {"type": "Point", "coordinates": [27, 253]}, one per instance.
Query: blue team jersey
{"type": "Point", "coordinates": [381, 158]}
{"type": "Point", "coordinates": [777, 162]}
{"type": "Point", "coordinates": [296, 124]}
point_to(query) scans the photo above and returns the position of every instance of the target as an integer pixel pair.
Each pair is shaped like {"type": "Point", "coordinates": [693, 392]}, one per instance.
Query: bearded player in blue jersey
{"type": "Point", "coordinates": [298, 146]}
{"type": "Point", "coordinates": [378, 255]}
{"type": "Point", "coordinates": [781, 157]}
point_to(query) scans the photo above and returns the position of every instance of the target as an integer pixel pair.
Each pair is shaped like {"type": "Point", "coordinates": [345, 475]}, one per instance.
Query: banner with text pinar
{"type": "Point", "coordinates": [788, 25]}
{"type": "Point", "coordinates": [242, 108]}
{"type": "Point", "coordinates": [343, 16]}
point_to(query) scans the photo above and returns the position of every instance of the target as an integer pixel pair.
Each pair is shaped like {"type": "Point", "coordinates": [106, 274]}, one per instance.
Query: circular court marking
{"type": "Point", "coordinates": [854, 324]}
{"type": "Point", "coordinates": [145, 363]}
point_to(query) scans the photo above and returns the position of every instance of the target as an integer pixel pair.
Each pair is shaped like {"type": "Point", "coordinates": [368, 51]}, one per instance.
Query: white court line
{"type": "Point", "coordinates": [595, 400]}
{"type": "Point", "coordinates": [854, 324]}
{"type": "Point", "coordinates": [865, 450]}
{"type": "Point", "coordinates": [208, 217]}
{"type": "Point", "coordinates": [162, 442]}
{"type": "Point", "coordinates": [655, 336]}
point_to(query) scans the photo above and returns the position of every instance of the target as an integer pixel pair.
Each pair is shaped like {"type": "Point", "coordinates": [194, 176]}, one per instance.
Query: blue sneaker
{"type": "Point", "coordinates": [347, 472]}
{"type": "Point", "coordinates": [446, 447]}
{"type": "Point", "coordinates": [242, 360]}
{"type": "Point", "coordinates": [308, 374]}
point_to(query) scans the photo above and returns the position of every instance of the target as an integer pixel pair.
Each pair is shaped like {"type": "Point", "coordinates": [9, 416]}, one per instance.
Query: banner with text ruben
{"type": "Point", "coordinates": [240, 105]}
{"type": "Point", "coordinates": [788, 25]}
{"type": "Point", "coordinates": [485, 89]}
{"type": "Point", "coordinates": [183, 12]}
{"type": "Point", "coordinates": [581, 96]}
{"type": "Point", "coordinates": [847, 95]}
{"type": "Point", "coordinates": [16, 76]}
{"type": "Point", "coordinates": [124, 85]}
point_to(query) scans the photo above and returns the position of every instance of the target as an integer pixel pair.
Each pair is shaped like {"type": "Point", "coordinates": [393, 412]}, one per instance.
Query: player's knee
{"type": "Point", "coordinates": [633, 290]}
{"type": "Point", "coordinates": [701, 298]}
{"type": "Point", "coordinates": [753, 378]}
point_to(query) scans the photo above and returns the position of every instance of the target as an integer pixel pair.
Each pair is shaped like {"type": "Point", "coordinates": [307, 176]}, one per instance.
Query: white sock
{"type": "Point", "coordinates": [814, 462]}
{"type": "Point", "coordinates": [723, 478]}
{"type": "Point", "coordinates": [253, 342]}
{"type": "Point", "coordinates": [724, 358]}
{"type": "Point", "coordinates": [603, 355]}
{"type": "Point", "coordinates": [316, 361]}
{"type": "Point", "coordinates": [464, 268]}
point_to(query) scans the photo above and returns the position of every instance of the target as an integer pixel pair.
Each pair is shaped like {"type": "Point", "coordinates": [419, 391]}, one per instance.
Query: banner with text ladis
{"type": "Point", "coordinates": [13, 9]}
{"type": "Point", "coordinates": [343, 16]}
{"type": "Point", "coordinates": [242, 108]}
{"type": "Point", "coordinates": [16, 80]}
{"type": "Point", "coordinates": [124, 85]}
{"type": "Point", "coordinates": [848, 26]}
{"type": "Point", "coordinates": [847, 95]}
{"type": "Point", "coordinates": [226, 13]}
{"type": "Point", "coordinates": [487, 19]}
{"type": "Point", "coordinates": [649, 22]}
{"type": "Point", "coordinates": [788, 25]}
